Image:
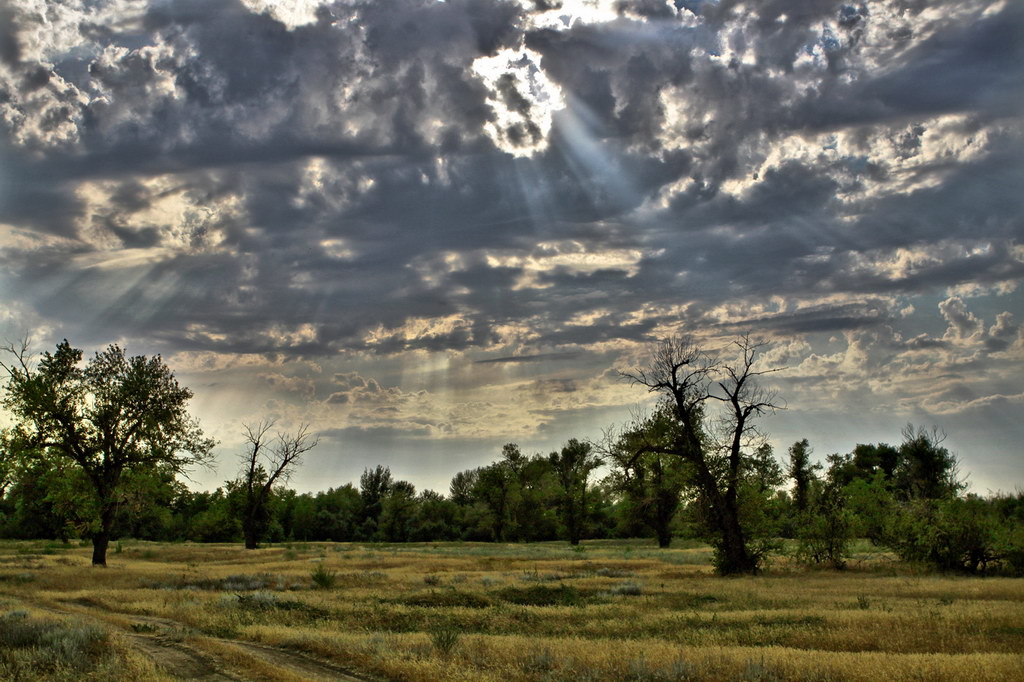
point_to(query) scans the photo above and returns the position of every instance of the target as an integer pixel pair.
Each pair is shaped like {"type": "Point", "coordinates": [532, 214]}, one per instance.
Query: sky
{"type": "Point", "coordinates": [430, 228]}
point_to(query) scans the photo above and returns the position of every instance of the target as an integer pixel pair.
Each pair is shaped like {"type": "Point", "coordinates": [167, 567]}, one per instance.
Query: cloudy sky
{"type": "Point", "coordinates": [429, 228]}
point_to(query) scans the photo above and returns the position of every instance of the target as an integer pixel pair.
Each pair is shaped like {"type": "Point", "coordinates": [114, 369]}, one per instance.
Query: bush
{"type": "Point", "coordinates": [955, 534]}
{"type": "Point", "coordinates": [445, 638]}
{"type": "Point", "coordinates": [825, 531]}
{"type": "Point", "coordinates": [323, 577]}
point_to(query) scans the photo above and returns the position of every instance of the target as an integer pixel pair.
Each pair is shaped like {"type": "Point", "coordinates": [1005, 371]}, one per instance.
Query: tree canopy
{"type": "Point", "coordinates": [113, 416]}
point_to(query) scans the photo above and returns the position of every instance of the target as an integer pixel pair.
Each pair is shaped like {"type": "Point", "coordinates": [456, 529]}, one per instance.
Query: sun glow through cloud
{"type": "Point", "coordinates": [523, 99]}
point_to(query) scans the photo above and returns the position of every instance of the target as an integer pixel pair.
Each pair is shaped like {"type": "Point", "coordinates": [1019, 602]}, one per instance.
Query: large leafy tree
{"type": "Point", "coordinates": [111, 418]}
{"type": "Point", "coordinates": [652, 482]}
{"type": "Point", "coordinates": [572, 466]}
{"type": "Point", "coordinates": [802, 472]}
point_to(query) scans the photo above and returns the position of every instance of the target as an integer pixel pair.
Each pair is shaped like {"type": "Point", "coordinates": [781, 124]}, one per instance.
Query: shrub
{"type": "Point", "coordinates": [445, 638]}
{"type": "Point", "coordinates": [825, 530]}
{"type": "Point", "coordinates": [323, 577]}
{"type": "Point", "coordinates": [954, 534]}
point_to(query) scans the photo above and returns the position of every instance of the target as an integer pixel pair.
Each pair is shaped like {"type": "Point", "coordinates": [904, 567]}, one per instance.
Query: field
{"type": "Point", "coordinates": [463, 611]}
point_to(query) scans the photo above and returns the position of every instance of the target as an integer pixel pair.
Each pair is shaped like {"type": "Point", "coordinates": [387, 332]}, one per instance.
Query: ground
{"type": "Point", "coordinates": [466, 611]}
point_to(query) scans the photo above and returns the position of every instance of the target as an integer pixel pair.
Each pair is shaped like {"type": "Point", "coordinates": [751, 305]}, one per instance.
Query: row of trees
{"type": "Point", "coordinates": [99, 449]}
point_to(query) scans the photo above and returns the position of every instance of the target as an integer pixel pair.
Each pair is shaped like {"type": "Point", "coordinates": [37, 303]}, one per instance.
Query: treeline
{"type": "Point", "coordinates": [907, 498]}
{"type": "Point", "coordinates": [97, 449]}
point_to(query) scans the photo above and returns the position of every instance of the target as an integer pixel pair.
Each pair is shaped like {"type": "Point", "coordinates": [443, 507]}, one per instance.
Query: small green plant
{"type": "Point", "coordinates": [118, 548]}
{"type": "Point", "coordinates": [863, 602]}
{"type": "Point", "coordinates": [432, 580]}
{"type": "Point", "coordinates": [323, 577]}
{"type": "Point", "coordinates": [445, 638]}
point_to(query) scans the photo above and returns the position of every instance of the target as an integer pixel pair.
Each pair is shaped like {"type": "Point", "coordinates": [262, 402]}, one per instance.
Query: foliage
{"type": "Point", "coordinates": [445, 638]}
{"type": "Point", "coordinates": [651, 483]}
{"type": "Point", "coordinates": [572, 467]}
{"type": "Point", "coordinates": [952, 534]}
{"type": "Point", "coordinates": [114, 417]}
{"type": "Point", "coordinates": [323, 577]}
{"type": "Point", "coordinates": [825, 527]}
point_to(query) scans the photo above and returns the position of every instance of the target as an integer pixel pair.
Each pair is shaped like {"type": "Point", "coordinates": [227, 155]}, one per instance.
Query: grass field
{"type": "Point", "coordinates": [616, 610]}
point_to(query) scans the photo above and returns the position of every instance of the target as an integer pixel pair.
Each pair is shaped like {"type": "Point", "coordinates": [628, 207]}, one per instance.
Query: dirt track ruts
{"type": "Point", "coordinates": [179, 659]}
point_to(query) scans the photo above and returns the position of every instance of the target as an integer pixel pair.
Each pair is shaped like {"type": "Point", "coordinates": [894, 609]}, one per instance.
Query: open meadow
{"type": "Point", "coordinates": [465, 611]}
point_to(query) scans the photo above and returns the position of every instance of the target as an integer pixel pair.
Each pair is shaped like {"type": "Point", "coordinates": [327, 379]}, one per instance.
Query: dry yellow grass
{"type": "Point", "coordinates": [614, 610]}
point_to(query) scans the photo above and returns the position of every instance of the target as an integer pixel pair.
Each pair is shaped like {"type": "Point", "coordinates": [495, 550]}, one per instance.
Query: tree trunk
{"type": "Point", "coordinates": [735, 558]}
{"type": "Point", "coordinates": [664, 535]}
{"type": "Point", "coordinates": [101, 539]}
{"type": "Point", "coordinates": [250, 532]}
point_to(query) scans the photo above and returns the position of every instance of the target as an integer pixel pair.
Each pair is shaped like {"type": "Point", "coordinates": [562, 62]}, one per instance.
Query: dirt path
{"type": "Point", "coordinates": [219, 659]}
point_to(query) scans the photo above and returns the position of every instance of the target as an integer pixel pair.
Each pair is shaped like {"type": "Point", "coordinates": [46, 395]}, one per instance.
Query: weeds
{"type": "Point", "coordinates": [756, 671]}
{"type": "Point", "coordinates": [606, 572]}
{"type": "Point", "coordinates": [34, 649]}
{"type": "Point", "coordinates": [231, 583]}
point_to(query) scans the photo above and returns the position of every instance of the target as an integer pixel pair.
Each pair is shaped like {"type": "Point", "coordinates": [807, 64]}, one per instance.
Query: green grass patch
{"type": "Point", "coordinates": [544, 595]}
{"type": "Point", "coordinates": [445, 599]}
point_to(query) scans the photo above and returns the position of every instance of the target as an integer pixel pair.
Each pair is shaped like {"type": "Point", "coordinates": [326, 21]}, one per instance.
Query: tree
{"type": "Point", "coordinates": [268, 460]}
{"type": "Point", "coordinates": [687, 377]}
{"type": "Point", "coordinates": [462, 485]}
{"type": "Point", "coordinates": [652, 482]}
{"type": "Point", "coordinates": [572, 467]}
{"type": "Point", "coordinates": [925, 469]}
{"type": "Point", "coordinates": [115, 415]}
{"type": "Point", "coordinates": [802, 472]}
{"type": "Point", "coordinates": [825, 525]}
{"type": "Point", "coordinates": [494, 488]}
{"type": "Point", "coordinates": [398, 512]}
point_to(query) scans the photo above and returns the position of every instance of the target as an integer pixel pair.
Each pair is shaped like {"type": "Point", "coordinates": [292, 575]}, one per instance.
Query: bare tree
{"type": "Point", "coordinates": [269, 460]}
{"type": "Point", "coordinates": [688, 377]}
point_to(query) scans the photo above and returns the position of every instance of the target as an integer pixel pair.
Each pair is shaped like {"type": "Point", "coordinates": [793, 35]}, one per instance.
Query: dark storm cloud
{"type": "Point", "coordinates": [232, 105]}
{"type": "Point", "coordinates": [537, 357]}
{"type": "Point", "coordinates": [979, 67]}
{"type": "Point", "coordinates": [819, 319]}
